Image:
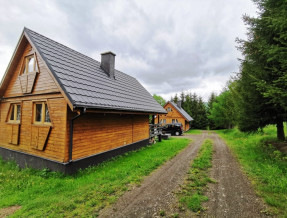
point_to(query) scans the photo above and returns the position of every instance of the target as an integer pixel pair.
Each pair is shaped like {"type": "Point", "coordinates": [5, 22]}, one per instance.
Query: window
{"type": "Point", "coordinates": [15, 113]}
{"type": "Point", "coordinates": [29, 65]}
{"type": "Point", "coordinates": [164, 120]}
{"type": "Point", "coordinates": [168, 109]}
{"type": "Point", "coordinates": [41, 113]}
{"type": "Point", "coordinates": [174, 121]}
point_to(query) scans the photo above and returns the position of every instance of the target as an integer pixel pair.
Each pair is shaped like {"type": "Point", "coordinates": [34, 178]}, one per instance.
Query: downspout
{"type": "Point", "coordinates": [72, 132]}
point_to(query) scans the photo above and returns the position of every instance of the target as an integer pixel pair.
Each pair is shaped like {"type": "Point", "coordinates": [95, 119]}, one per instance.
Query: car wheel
{"type": "Point", "coordinates": [177, 133]}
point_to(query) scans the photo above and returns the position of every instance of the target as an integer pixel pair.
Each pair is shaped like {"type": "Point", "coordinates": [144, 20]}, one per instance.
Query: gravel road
{"type": "Point", "coordinates": [231, 196]}
{"type": "Point", "coordinates": [157, 190]}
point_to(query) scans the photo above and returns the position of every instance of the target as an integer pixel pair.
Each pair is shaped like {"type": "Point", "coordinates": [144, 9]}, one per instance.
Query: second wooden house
{"type": "Point", "coordinates": [175, 114]}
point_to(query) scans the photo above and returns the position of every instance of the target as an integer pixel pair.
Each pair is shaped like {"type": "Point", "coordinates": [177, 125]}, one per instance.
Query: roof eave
{"type": "Point", "coordinates": [117, 109]}
{"type": "Point", "coordinates": [10, 63]}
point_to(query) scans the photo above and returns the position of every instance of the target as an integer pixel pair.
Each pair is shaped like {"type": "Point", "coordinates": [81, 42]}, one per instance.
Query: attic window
{"type": "Point", "coordinates": [29, 65]}
{"type": "Point", "coordinates": [168, 109]}
{"type": "Point", "coordinates": [15, 113]}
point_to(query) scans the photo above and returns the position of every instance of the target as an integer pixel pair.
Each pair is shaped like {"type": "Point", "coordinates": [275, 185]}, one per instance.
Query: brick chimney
{"type": "Point", "coordinates": [108, 63]}
{"type": "Point", "coordinates": [179, 103]}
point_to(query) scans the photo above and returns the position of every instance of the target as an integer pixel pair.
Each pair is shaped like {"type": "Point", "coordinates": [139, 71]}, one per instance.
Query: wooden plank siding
{"type": "Point", "coordinates": [44, 82]}
{"type": "Point", "coordinates": [55, 144]}
{"type": "Point", "coordinates": [93, 132]}
{"type": "Point", "coordinates": [174, 114]}
{"type": "Point", "coordinates": [41, 140]}
{"type": "Point", "coordinates": [96, 133]}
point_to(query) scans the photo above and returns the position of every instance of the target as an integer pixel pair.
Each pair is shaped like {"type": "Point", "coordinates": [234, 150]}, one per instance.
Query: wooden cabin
{"type": "Point", "coordinates": [62, 110]}
{"type": "Point", "coordinates": [175, 114]}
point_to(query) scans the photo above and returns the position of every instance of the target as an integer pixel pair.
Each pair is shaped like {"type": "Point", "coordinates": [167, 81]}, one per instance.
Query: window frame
{"type": "Point", "coordinates": [174, 121]}
{"type": "Point", "coordinates": [25, 64]}
{"type": "Point", "coordinates": [14, 105]}
{"type": "Point", "coordinates": [43, 113]}
{"type": "Point", "coordinates": [168, 109]}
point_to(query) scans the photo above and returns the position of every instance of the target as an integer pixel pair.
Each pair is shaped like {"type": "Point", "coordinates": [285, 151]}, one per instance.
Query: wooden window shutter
{"type": "Point", "coordinates": [39, 137]}
{"type": "Point", "coordinates": [13, 133]}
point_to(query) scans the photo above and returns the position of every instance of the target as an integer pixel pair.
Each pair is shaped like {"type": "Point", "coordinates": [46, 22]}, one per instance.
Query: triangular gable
{"type": "Point", "coordinates": [25, 82]}
{"type": "Point", "coordinates": [180, 110]}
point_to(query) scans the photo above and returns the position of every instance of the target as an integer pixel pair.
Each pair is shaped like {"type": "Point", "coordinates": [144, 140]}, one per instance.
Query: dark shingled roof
{"type": "Point", "coordinates": [87, 85]}
{"type": "Point", "coordinates": [183, 112]}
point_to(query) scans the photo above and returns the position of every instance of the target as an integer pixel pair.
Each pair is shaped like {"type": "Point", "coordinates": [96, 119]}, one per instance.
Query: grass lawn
{"type": "Point", "coordinates": [43, 193]}
{"type": "Point", "coordinates": [191, 194]}
{"type": "Point", "coordinates": [194, 131]}
{"type": "Point", "coordinates": [265, 166]}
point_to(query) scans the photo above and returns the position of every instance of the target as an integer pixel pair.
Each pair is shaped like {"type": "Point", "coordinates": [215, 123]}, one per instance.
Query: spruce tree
{"type": "Point", "coordinates": [262, 81]}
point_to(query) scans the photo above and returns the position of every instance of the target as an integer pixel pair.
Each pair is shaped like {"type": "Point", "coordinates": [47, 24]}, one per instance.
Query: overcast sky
{"type": "Point", "coordinates": [169, 46]}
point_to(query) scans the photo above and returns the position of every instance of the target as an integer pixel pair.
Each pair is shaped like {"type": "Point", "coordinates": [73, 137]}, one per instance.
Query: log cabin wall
{"type": "Point", "coordinates": [95, 133]}
{"type": "Point", "coordinates": [46, 141]}
{"type": "Point", "coordinates": [174, 114]}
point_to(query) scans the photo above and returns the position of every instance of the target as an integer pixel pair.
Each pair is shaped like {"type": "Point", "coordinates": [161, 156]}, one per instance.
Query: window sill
{"type": "Point", "coordinates": [42, 124]}
{"type": "Point", "coordinates": [13, 123]}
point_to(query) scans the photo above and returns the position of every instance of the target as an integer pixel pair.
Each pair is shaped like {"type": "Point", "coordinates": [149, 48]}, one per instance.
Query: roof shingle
{"type": "Point", "coordinates": [183, 112]}
{"type": "Point", "coordinates": [87, 85]}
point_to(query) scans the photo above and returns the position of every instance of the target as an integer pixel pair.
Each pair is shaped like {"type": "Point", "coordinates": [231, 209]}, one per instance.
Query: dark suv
{"type": "Point", "coordinates": [172, 128]}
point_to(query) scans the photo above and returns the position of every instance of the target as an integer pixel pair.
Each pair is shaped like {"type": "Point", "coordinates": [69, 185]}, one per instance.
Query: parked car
{"type": "Point", "coordinates": [173, 129]}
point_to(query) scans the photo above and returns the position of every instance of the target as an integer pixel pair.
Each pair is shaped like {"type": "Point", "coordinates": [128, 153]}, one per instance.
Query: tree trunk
{"type": "Point", "coordinates": [280, 129]}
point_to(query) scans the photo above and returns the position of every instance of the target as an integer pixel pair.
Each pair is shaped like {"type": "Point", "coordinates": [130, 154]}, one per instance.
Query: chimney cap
{"type": "Point", "coordinates": [108, 52]}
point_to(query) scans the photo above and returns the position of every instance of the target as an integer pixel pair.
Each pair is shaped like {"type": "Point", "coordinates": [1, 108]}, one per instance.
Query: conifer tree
{"type": "Point", "coordinates": [262, 82]}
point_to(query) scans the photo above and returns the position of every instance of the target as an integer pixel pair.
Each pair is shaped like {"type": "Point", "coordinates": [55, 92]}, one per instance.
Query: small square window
{"type": "Point", "coordinates": [168, 109]}
{"type": "Point", "coordinates": [15, 113]}
{"type": "Point", "coordinates": [41, 113]}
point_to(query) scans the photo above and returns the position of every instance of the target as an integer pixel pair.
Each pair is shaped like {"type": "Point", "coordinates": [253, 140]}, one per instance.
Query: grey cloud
{"type": "Point", "coordinates": [169, 46]}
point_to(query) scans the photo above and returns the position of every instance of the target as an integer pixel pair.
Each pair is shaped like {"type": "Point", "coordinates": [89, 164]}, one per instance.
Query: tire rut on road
{"type": "Point", "coordinates": [232, 195]}
{"type": "Point", "coordinates": [157, 190]}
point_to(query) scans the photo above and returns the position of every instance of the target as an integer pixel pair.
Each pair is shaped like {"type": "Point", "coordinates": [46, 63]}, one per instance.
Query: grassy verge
{"type": "Point", "coordinates": [194, 131]}
{"type": "Point", "coordinates": [265, 166]}
{"type": "Point", "coordinates": [192, 192]}
{"type": "Point", "coordinates": [51, 194]}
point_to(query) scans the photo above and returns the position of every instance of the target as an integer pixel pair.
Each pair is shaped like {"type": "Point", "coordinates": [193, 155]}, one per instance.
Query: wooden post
{"type": "Point", "coordinates": [152, 120]}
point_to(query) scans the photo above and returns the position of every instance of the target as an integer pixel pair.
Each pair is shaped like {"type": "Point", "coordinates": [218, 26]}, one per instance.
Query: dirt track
{"type": "Point", "coordinates": [231, 196]}
{"type": "Point", "coordinates": [156, 191]}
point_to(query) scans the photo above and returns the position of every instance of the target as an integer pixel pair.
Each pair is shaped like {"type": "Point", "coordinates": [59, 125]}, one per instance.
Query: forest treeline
{"type": "Point", "coordinates": [256, 96]}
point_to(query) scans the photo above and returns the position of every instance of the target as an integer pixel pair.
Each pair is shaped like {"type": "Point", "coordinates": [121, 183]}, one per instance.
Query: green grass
{"type": "Point", "coordinates": [194, 131]}
{"type": "Point", "coordinates": [264, 165]}
{"type": "Point", "coordinates": [51, 194]}
{"type": "Point", "coordinates": [192, 192]}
